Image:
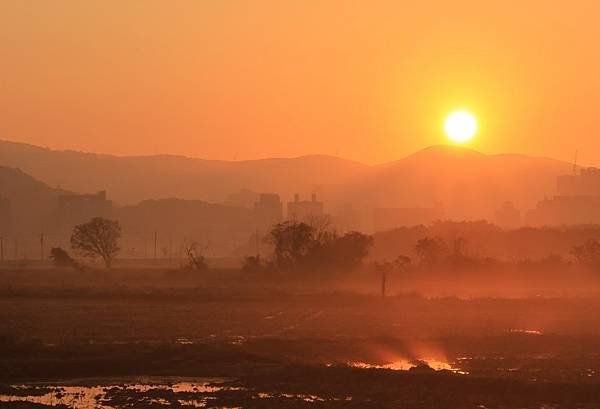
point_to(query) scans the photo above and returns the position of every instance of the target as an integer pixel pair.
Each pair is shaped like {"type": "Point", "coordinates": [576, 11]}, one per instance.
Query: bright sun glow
{"type": "Point", "coordinates": [460, 126]}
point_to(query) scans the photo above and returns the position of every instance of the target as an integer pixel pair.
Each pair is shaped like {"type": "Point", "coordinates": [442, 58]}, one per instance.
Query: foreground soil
{"type": "Point", "coordinates": [291, 347]}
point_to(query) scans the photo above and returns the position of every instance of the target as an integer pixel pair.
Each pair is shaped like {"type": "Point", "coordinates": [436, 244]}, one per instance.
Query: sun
{"type": "Point", "coordinates": [460, 126]}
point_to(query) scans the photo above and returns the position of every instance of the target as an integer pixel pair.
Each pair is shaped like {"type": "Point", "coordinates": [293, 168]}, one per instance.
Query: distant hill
{"type": "Point", "coordinates": [32, 201]}
{"type": "Point", "coordinates": [221, 228]}
{"type": "Point", "coordinates": [469, 184]}
{"type": "Point", "coordinates": [34, 205]}
{"type": "Point", "coordinates": [131, 179]}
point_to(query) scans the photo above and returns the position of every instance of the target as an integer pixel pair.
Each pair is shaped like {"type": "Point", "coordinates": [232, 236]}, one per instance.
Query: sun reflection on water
{"type": "Point", "coordinates": [406, 364]}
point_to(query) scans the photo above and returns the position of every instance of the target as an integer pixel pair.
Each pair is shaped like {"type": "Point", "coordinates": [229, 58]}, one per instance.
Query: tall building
{"type": "Point", "coordinates": [76, 209]}
{"type": "Point", "coordinates": [587, 183]}
{"type": "Point", "coordinates": [565, 210]}
{"type": "Point", "coordinates": [577, 201]}
{"type": "Point", "coordinates": [268, 209]}
{"type": "Point", "coordinates": [305, 210]}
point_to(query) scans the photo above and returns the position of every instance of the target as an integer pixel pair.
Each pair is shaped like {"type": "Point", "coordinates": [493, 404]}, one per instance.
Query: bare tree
{"type": "Point", "coordinates": [98, 237]}
{"type": "Point", "coordinates": [195, 256]}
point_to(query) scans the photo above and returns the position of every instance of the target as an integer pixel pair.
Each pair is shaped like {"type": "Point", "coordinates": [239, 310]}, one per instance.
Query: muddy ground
{"type": "Point", "coordinates": [295, 347]}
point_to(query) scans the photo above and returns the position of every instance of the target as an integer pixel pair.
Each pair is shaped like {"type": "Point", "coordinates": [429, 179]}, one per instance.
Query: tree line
{"type": "Point", "coordinates": [303, 247]}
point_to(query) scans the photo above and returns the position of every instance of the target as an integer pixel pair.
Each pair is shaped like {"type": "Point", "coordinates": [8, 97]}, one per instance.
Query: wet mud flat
{"type": "Point", "coordinates": [299, 373]}
{"type": "Point", "coordinates": [284, 350]}
{"type": "Point", "coordinates": [306, 387]}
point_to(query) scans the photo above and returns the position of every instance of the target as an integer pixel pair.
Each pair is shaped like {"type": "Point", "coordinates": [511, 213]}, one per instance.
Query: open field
{"type": "Point", "coordinates": [244, 343]}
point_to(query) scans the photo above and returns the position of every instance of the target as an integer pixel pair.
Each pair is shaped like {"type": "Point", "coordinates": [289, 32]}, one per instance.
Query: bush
{"type": "Point", "coordinates": [299, 246]}
{"type": "Point", "coordinates": [61, 258]}
{"type": "Point", "coordinates": [252, 264]}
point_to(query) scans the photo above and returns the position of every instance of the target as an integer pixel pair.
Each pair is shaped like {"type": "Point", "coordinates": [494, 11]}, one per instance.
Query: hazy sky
{"type": "Point", "coordinates": [367, 80]}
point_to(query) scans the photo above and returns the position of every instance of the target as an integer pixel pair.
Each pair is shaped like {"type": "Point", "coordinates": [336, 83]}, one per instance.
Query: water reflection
{"type": "Point", "coordinates": [405, 365]}
{"type": "Point", "coordinates": [98, 394]}
{"type": "Point", "coordinates": [147, 392]}
{"type": "Point", "coordinates": [527, 331]}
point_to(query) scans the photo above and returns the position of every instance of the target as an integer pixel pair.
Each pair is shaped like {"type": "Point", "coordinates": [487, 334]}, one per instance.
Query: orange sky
{"type": "Point", "coordinates": [366, 80]}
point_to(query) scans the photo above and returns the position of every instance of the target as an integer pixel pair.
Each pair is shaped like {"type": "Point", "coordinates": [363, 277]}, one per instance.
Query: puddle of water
{"type": "Point", "coordinates": [96, 397]}
{"type": "Point", "coordinates": [239, 340]}
{"type": "Point", "coordinates": [109, 393]}
{"type": "Point", "coordinates": [527, 331]}
{"type": "Point", "coordinates": [71, 396]}
{"type": "Point", "coordinates": [305, 398]}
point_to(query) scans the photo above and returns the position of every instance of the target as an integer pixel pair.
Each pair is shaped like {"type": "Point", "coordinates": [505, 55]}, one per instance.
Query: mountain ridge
{"type": "Point", "coordinates": [469, 183]}
{"type": "Point", "coordinates": [432, 148]}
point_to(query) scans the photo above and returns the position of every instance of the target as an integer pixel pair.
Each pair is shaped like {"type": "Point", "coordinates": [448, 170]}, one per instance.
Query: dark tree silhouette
{"type": "Point", "coordinates": [292, 241]}
{"type": "Point", "coordinates": [302, 246]}
{"type": "Point", "coordinates": [252, 264]}
{"type": "Point", "coordinates": [195, 256]}
{"type": "Point", "coordinates": [61, 258]}
{"type": "Point", "coordinates": [431, 250]}
{"type": "Point", "coordinates": [98, 237]}
{"type": "Point", "coordinates": [588, 253]}
{"type": "Point", "coordinates": [402, 263]}
{"type": "Point", "coordinates": [349, 250]}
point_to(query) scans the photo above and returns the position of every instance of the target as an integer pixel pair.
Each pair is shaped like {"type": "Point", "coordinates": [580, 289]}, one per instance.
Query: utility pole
{"type": "Point", "coordinates": [155, 242]}
{"type": "Point", "coordinates": [170, 248]}
{"type": "Point", "coordinates": [42, 246]}
{"type": "Point", "coordinates": [257, 245]}
{"type": "Point", "coordinates": [1, 249]}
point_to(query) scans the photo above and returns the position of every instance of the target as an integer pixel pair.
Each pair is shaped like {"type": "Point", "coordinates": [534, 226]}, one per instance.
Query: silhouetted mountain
{"type": "Point", "coordinates": [469, 184]}
{"type": "Point", "coordinates": [130, 179]}
{"type": "Point", "coordinates": [31, 202]}
{"type": "Point", "coordinates": [33, 209]}
{"type": "Point", "coordinates": [221, 228]}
